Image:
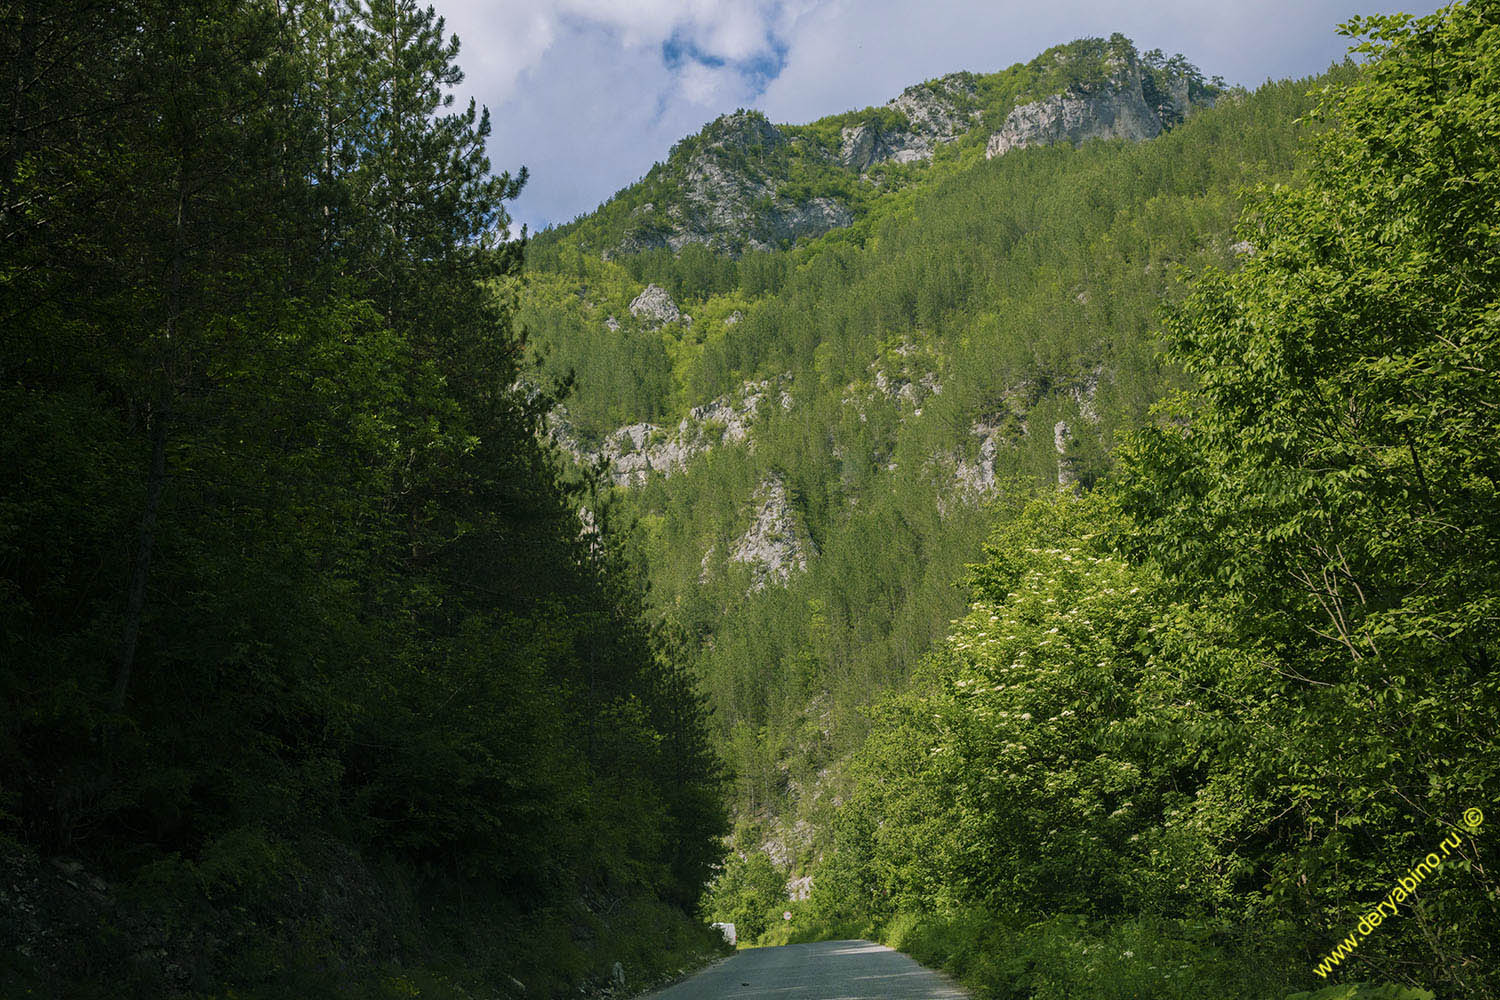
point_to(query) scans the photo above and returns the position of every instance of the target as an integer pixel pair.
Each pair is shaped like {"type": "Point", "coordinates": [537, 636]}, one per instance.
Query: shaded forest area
{"type": "Point", "coordinates": [312, 683]}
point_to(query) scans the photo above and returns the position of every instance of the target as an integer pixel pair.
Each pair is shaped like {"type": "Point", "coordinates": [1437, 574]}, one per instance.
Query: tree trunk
{"type": "Point", "coordinates": [136, 603]}
{"type": "Point", "coordinates": [156, 478]}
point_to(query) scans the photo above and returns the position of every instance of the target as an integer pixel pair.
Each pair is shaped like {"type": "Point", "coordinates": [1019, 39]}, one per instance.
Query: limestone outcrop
{"type": "Point", "coordinates": [633, 452]}
{"type": "Point", "coordinates": [936, 112]}
{"type": "Point", "coordinates": [654, 307]}
{"type": "Point", "coordinates": [776, 544]}
{"type": "Point", "coordinates": [1129, 104]}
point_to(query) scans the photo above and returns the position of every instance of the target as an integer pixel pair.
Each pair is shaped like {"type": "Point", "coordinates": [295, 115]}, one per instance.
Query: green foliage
{"type": "Point", "coordinates": [1365, 991]}
{"type": "Point", "coordinates": [1195, 723]}
{"type": "Point", "coordinates": [1050, 751]}
{"type": "Point", "coordinates": [1024, 287]}
{"type": "Point", "coordinates": [694, 272]}
{"type": "Point", "coordinates": [749, 892]}
{"type": "Point", "coordinates": [1337, 483]}
{"type": "Point", "coordinates": [283, 562]}
{"type": "Point", "coordinates": [1072, 958]}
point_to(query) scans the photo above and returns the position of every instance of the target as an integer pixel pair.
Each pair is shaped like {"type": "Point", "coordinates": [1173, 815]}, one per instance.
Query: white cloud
{"type": "Point", "coordinates": [512, 37]}
{"type": "Point", "coordinates": [710, 87]}
{"type": "Point", "coordinates": [493, 60]}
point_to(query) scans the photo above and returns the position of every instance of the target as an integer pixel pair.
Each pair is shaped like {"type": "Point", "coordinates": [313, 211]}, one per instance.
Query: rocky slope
{"type": "Point", "coordinates": [728, 197]}
{"type": "Point", "coordinates": [775, 545]}
{"type": "Point", "coordinates": [631, 453]}
{"type": "Point", "coordinates": [926, 116]}
{"type": "Point", "coordinates": [745, 184]}
{"type": "Point", "coordinates": [1127, 104]}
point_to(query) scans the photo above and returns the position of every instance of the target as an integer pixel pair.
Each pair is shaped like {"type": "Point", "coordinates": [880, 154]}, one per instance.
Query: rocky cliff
{"type": "Point", "coordinates": [929, 113]}
{"type": "Point", "coordinates": [728, 195]}
{"type": "Point", "coordinates": [632, 453]}
{"type": "Point", "coordinates": [775, 545]}
{"type": "Point", "coordinates": [1133, 102]}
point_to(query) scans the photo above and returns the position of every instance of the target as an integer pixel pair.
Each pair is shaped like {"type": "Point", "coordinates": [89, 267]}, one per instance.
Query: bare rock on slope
{"type": "Point", "coordinates": [729, 199]}
{"type": "Point", "coordinates": [655, 306]}
{"type": "Point", "coordinates": [776, 544]}
{"type": "Point", "coordinates": [633, 452]}
{"type": "Point", "coordinates": [936, 112]}
{"type": "Point", "coordinates": [1126, 105]}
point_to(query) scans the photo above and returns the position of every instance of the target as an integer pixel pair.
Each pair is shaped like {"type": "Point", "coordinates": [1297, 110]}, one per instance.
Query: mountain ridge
{"type": "Point", "coordinates": [743, 184]}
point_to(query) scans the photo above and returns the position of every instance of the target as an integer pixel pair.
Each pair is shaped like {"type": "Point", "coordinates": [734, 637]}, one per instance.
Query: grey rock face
{"type": "Point", "coordinates": [654, 306]}
{"type": "Point", "coordinates": [637, 450]}
{"type": "Point", "coordinates": [976, 479]}
{"type": "Point", "coordinates": [908, 391]}
{"type": "Point", "coordinates": [1119, 109]}
{"type": "Point", "coordinates": [811, 218]}
{"type": "Point", "coordinates": [633, 452]}
{"type": "Point", "coordinates": [1075, 118]}
{"type": "Point", "coordinates": [904, 375]}
{"type": "Point", "coordinates": [862, 145]}
{"type": "Point", "coordinates": [728, 202]}
{"type": "Point", "coordinates": [1060, 436]}
{"type": "Point", "coordinates": [776, 544]}
{"type": "Point", "coordinates": [936, 112]}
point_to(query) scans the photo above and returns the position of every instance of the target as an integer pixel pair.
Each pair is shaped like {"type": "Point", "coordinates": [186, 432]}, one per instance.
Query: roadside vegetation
{"type": "Point", "coordinates": [1196, 721]}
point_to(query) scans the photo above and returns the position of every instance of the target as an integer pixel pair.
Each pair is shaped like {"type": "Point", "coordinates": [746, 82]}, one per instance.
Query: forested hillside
{"type": "Point", "coordinates": [311, 683]}
{"type": "Point", "coordinates": [1225, 726]}
{"type": "Point", "coordinates": [1142, 487]}
{"type": "Point", "coordinates": [979, 336]}
{"type": "Point", "coordinates": [1046, 522]}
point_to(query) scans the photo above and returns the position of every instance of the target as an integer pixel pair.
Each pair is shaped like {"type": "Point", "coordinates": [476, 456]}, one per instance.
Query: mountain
{"type": "Point", "coordinates": [745, 184]}
{"type": "Point", "coordinates": [1065, 499]}
{"type": "Point", "coordinates": [813, 434]}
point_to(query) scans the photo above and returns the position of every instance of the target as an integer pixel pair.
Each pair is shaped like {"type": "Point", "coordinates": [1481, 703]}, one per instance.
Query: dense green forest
{"type": "Point", "coordinates": [1202, 428]}
{"type": "Point", "coordinates": [312, 683]}
{"type": "Point", "coordinates": [1075, 564]}
{"type": "Point", "coordinates": [1007, 295]}
{"type": "Point", "coordinates": [1197, 723]}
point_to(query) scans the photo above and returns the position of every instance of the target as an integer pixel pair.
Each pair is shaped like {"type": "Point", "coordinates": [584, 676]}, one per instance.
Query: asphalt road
{"type": "Point", "coordinates": [827, 970]}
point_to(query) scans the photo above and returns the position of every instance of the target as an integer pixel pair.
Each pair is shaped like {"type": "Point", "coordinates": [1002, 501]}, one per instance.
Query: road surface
{"type": "Point", "coordinates": [827, 970]}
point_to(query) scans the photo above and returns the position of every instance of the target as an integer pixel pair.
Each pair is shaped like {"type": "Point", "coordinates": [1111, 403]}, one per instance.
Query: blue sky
{"type": "Point", "coordinates": [589, 93]}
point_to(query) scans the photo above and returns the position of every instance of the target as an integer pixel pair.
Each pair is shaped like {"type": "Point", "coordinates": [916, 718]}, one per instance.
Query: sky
{"type": "Point", "coordinates": [588, 94]}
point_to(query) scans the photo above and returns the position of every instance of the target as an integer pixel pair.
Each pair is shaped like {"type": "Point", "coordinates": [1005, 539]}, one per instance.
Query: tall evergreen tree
{"type": "Point", "coordinates": [285, 569]}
